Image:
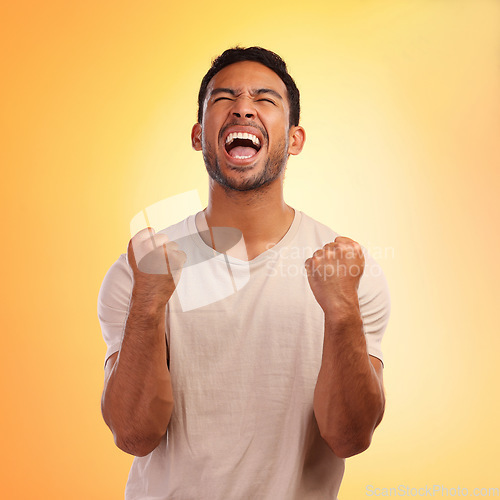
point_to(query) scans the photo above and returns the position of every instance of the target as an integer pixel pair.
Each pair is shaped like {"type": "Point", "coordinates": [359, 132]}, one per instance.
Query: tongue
{"type": "Point", "coordinates": [242, 151]}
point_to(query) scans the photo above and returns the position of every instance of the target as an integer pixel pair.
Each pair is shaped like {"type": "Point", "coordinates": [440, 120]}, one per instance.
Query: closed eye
{"type": "Point", "coordinates": [267, 100]}
{"type": "Point", "coordinates": [220, 98]}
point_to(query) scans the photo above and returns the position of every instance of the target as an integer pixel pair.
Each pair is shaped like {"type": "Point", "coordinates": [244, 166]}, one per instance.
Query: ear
{"type": "Point", "coordinates": [196, 137]}
{"type": "Point", "coordinates": [297, 137]}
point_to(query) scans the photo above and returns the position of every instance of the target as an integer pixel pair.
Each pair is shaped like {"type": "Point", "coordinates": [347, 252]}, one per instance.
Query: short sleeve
{"type": "Point", "coordinates": [113, 303]}
{"type": "Point", "coordinates": [375, 305]}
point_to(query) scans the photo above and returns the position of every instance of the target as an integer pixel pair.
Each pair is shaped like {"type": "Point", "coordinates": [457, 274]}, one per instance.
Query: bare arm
{"type": "Point", "coordinates": [137, 399]}
{"type": "Point", "coordinates": [349, 396]}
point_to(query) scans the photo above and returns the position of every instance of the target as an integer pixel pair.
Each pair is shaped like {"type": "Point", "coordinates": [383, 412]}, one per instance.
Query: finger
{"type": "Point", "coordinates": [330, 250]}
{"type": "Point", "coordinates": [141, 254]}
{"type": "Point", "coordinates": [131, 256]}
{"type": "Point", "coordinates": [143, 234]}
{"type": "Point", "coordinates": [318, 254]}
{"type": "Point", "coordinates": [308, 266]}
{"type": "Point", "coordinates": [166, 258]}
{"type": "Point", "coordinates": [154, 262]}
{"type": "Point", "coordinates": [151, 235]}
{"type": "Point", "coordinates": [176, 258]}
{"type": "Point", "coordinates": [148, 242]}
{"type": "Point", "coordinates": [343, 239]}
{"type": "Point", "coordinates": [134, 251]}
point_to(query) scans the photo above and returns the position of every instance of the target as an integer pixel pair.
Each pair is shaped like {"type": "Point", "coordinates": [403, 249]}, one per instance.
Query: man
{"type": "Point", "coordinates": [259, 391]}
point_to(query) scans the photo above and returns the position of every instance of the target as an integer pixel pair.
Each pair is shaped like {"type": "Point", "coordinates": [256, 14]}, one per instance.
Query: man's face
{"type": "Point", "coordinates": [245, 135]}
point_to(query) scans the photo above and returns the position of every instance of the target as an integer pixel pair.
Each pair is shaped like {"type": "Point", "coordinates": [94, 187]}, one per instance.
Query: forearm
{"type": "Point", "coordinates": [137, 400]}
{"type": "Point", "coordinates": [349, 397]}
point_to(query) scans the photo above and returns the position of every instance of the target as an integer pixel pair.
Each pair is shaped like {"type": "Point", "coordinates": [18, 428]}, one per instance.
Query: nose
{"type": "Point", "coordinates": [243, 107]}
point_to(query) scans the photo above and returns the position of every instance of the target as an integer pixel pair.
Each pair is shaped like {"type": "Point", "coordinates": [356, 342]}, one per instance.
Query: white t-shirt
{"type": "Point", "coordinates": [245, 342]}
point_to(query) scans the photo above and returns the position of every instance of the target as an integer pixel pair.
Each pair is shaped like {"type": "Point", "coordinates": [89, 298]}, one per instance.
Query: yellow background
{"type": "Point", "coordinates": [401, 107]}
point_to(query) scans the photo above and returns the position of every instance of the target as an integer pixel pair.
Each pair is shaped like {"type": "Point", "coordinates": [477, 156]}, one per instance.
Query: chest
{"type": "Point", "coordinates": [271, 325]}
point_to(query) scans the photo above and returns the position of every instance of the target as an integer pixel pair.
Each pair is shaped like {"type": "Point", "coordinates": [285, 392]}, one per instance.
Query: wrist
{"type": "Point", "coordinates": [147, 303]}
{"type": "Point", "coordinates": [343, 314]}
{"type": "Point", "coordinates": [342, 305]}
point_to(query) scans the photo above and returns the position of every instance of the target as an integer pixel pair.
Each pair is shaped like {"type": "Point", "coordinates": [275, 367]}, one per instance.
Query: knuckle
{"type": "Point", "coordinates": [144, 233]}
{"type": "Point", "coordinates": [172, 245]}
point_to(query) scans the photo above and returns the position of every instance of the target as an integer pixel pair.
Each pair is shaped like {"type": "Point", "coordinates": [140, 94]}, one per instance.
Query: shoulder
{"type": "Point", "coordinates": [374, 303]}
{"type": "Point", "coordinates": [309, 222]}
{"type": "Point", "coordinates": [118, 281]}
{"type": "Point", "coordinates": [373, 288]}
{"type": "Point", "coordinates": [117, 284]}
{"type": "Point", "coordinates": [373, 282]}
{"type": "Point", "coordinates": [314, 230]}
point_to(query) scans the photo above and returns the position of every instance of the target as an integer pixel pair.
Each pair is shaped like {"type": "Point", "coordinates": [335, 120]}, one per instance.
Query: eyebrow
{"type": "Point", "coordinates": [234, 92]}
{"type": "Point", "coordinates": [268, 91]}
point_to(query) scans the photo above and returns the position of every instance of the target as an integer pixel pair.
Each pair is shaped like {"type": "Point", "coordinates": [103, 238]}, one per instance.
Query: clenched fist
{"type": "Point", "coordinates": [334, 272]}
{"type": "Point", "coordinates": [156, 263]}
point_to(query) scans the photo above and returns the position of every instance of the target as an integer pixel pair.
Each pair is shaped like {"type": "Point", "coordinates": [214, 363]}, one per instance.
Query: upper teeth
{"type": "Point", "coordinates": [242, 135]}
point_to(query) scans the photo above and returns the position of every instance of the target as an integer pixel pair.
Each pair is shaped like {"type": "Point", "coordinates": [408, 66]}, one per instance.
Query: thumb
{"type": "Point", "coordinates": [131, 257]}
{"type": "Point", "coordinates": [136, 241]}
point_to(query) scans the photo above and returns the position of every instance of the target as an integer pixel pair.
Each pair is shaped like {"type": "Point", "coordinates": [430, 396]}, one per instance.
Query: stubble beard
{"type": "Point", "coordinates": [274, 166]}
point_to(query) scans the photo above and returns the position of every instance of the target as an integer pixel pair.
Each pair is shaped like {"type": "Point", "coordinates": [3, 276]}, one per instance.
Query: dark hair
{"type": "Point", "coordinates": [258, 54]}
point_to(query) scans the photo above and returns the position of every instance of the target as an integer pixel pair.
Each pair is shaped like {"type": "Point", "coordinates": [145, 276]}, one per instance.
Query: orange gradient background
{"type": "Point", "coordinates": [401, 105]}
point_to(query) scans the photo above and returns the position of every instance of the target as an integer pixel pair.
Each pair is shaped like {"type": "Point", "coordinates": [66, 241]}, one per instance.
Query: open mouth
{"type": "Point", "coordinates": [242, 145]}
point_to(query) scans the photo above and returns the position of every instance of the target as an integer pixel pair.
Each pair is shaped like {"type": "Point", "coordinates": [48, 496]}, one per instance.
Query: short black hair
{"type": "Point", "coordinates": [266, 57]}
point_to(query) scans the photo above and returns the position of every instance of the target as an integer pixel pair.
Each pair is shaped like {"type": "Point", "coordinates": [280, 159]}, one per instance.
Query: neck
{"type": "Point", "coordinates": [261, 215]}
